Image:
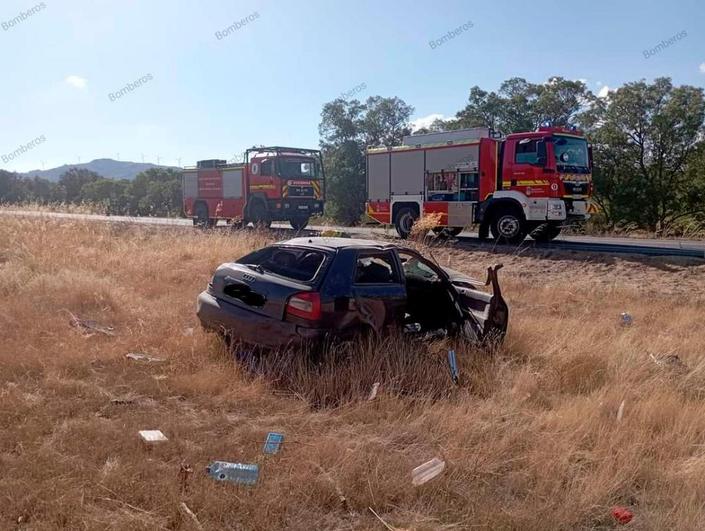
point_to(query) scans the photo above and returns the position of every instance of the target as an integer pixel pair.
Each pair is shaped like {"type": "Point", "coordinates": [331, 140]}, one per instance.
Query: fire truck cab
{"type": "Point", "coordinates": [526, 183]}
{"type": "Point", "coordinates": [272, 184]}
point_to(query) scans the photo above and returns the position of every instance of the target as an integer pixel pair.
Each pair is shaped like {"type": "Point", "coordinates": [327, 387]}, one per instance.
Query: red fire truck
{"type": "Point", "coordinates": [527, 183]}
{"type": "Point", "coordinates": [273, 184]}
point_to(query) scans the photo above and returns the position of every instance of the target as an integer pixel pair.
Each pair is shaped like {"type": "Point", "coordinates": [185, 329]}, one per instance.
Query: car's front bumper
{"type": "Point", "coordinates": [251, 327]}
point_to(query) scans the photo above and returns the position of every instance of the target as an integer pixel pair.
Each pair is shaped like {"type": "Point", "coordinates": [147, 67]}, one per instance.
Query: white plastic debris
{"type": "Point", "coordinates": [136, 356]}
{"type": "Point", "coordinates": [373, 391]}
{"type": "Point", "coordinates": [626, 319]}
{"type": "Point", "coordinates": [89, 327]}
{"type": "Point", "coordinates": [620, 411]}
{"type": "Point", "coordinates": [426, 472]}
{"type": "Point", "coordinates": [152, 436]}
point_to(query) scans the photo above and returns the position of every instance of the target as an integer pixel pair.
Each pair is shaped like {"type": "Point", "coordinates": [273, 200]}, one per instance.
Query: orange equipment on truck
{"type": "Point", "coordinates": [526, 183]}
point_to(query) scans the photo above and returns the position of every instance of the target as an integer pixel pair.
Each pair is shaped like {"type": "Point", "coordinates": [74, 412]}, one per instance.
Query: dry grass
{"type": "Point", "coordinates": [530, 437]}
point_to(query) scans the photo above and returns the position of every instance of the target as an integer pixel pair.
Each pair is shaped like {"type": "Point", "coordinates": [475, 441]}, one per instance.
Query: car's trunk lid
{"type": "Point", "coordinates": [255, 289]}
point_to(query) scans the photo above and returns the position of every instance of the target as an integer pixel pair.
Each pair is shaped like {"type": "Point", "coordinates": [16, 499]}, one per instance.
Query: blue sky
{"type": "Point", "coordinates": [266, 82]}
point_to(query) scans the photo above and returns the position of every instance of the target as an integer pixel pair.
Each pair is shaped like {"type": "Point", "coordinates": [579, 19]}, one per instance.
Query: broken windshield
{"type": "Point", "coordinates": [288, 262]}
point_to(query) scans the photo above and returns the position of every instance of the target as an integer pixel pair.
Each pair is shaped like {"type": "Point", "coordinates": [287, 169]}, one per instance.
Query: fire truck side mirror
{"type": "Point", "coordinates": [590, 156]}
{"type": "Point", "coordinates": [541, 153]}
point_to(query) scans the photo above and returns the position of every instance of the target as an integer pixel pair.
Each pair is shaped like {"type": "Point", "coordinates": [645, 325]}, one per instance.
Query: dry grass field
{"type": "Point", "coordinates": [531, 436]}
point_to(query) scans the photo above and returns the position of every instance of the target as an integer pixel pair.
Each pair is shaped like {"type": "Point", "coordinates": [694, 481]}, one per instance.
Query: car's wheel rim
{"type": "Point", "coordinates": [508, 226]}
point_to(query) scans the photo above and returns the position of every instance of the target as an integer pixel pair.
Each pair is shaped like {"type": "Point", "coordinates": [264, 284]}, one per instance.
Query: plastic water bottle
{"type": "Point", "coordinates": [245, 474]}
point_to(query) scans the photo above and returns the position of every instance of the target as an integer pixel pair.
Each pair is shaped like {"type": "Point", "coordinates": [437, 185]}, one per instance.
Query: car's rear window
{"type": "Point", "coordinates": [294, 263]}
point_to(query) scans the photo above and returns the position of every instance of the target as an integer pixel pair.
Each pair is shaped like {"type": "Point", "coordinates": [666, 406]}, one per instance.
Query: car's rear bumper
{"type": "Point", "coordinates": [250, 327]}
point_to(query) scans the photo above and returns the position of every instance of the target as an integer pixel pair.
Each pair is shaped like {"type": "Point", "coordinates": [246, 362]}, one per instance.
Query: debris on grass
{"type": "Point", "coordinates": [385, 524]}
{"type": "Point", "coordinates": [373, 392]}
{"type": "Point", "coordinates": [622, 514]}
{"type": "Point", "coordinates": [89, 327]}
{"type": "Point", "coordinates": [626, 319]}
{"type": "Point", "coordinates": [427, 471]}
{"type": "Point", "coordinates": [185, 472]}
{"type": "Point", "coordinates": [453, 365]}
{"type": "Point", "coordinates": [124, 401]}
{"type": "Point", "coordinates": [137, 356]}
{"type": "Point", "coordinates": [245, 474]}
{"type": "Point", "coordinates": [670, 361]}
{"type": "Point", "coordinates": [620, 411]}
{"type": "Point", "coordinates": [273, 442]}
{"type": "Point", "coordinates": [152, 436]}
{"type": "Point", "coordinates": [188, 513]}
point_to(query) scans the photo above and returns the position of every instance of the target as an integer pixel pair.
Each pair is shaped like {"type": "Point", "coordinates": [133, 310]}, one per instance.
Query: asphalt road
{"type": "Point", "coordinates": [610, 245]}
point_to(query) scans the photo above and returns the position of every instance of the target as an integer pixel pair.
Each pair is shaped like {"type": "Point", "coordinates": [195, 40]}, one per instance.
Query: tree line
{"type": "Point", "coordinates": [154, 192]}
{"type": "Point", "coordinates": [649, 148]}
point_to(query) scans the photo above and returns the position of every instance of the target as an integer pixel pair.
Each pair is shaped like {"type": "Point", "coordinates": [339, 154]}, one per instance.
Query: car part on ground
{"type": "Point", "coordinates": [313, 289]}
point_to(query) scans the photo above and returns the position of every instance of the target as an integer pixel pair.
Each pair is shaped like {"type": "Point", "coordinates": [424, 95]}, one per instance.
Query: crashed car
{"type": "Point", "coordinates": [308, 289]}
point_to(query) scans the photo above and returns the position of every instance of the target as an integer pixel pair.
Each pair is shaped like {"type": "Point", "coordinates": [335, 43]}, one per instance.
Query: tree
{"type": "Point", "coordinates": [156, 192]}
{"type": "Point", "coordinates": [522, 106]}
{"type": "Point", "coordinates": [12, 189]}
{"type": "Point", "coordinates": [646, 141]}
{"type": "Point", "coordinates": [113, 195]}
{"type": "Point", "coordinates": [346, 129]}
{"type": "Point", "coordinates": [71, 183]}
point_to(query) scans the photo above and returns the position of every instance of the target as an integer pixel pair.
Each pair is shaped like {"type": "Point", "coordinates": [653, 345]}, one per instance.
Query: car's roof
{"type": "Point", "coordinates": [337, 243]}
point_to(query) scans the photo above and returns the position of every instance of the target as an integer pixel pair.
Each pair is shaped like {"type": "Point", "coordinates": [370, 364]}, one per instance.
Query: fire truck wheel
{"type": "Point", "coordinates": [299, 223]}
{"type": "Point", "coordinates": [447, 231]}
{"type": "Point", "coordinates": [404, 221]}
{"type": "Point", "coordinates": [200, 218]}
{"type": "Point", "coordinates": [508, 226]}
{"type": "Point", "coordinates": [546, 232]}
{"type": "Point", "coordinates": [259, 215]}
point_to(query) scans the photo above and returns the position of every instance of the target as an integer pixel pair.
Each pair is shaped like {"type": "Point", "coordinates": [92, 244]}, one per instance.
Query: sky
{"type": "Point", "coordinates": [202, 91]}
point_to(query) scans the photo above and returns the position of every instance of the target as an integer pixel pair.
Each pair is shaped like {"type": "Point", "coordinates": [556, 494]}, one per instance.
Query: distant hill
{"type": "Point", "coordinates": [109, 168]}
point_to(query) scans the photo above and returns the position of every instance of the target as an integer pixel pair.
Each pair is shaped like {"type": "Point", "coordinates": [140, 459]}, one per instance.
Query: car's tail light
{"type": "Point", "coordinates": [306, 305]}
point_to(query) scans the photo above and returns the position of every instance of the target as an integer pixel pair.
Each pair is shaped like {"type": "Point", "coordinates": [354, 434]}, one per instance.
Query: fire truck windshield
{"type": "Point", "coordinates": [298, 168]}
{"type": "Point", "coordinates": [571, 153]}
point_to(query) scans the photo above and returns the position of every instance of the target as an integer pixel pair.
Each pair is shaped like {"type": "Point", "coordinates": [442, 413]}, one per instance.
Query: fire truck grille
{"type": "Point", "coordinates": [573, 188]}
{"type": "Point", "coordinates": [299, 191]}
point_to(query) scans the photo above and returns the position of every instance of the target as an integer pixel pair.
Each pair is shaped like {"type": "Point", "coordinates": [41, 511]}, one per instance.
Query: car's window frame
{"type": "Point", "coordinates": [442, 275]}
{"type": "Point", "coordinates": [397, 274]}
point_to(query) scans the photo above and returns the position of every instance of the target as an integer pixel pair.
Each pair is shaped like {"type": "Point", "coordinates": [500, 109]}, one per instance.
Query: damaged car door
{"type": "Point", "coordinates": [378, 290]}
{"type": "Point", "coordinates": [437, 301]}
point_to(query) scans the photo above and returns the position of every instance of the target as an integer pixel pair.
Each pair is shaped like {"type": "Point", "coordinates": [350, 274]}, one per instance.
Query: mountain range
{"type": "Point", "coordinates": [108, 168]}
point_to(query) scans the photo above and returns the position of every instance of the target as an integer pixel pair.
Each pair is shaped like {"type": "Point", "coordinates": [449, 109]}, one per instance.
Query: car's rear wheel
{"type": "Point", "coordinates": [404, 221]}
{"type": "Point", "coordinates": [299, 223]}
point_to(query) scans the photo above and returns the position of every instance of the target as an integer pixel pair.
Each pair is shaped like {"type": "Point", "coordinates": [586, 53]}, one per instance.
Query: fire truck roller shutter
{"type": "Point", "coordinates": [452, 157]}
{"type": "Point", "coordinates": [190, 184]}
{"type": "Point", "coordinates": [407, 172]}
{"type": "Point", "coordinates": [378, 177]}
{"type": "Point", "coordinates": [232, 184]}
